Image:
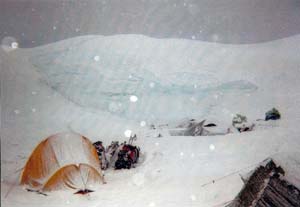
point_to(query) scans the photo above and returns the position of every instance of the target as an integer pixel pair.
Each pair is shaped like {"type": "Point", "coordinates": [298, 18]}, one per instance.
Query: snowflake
{"type": "Point", "coordinates": [181, 154]}
{"type": "Point", "coordinates": [127, 133]}
{"type": "Point", "coordinates": [133, 98]}
{"type": "Point", "coordinates": [33, 92]}
{"type": "Point", "coordinates": [156, 144]}
{"type": "Point", "coordinates": [54, 27]}
{"type": "Point", "coordinates": [212, 147]}
{"type": "Point", "coordinates": [152, 85]}
{"type": "Point", "coordinates": [143, 123]}
{"type": "Point", "coordinates": [14, 45]}
{"type": "Point", "coordinates": [152, 204]}
{"type": "Point", "coordinates": [9, 44]}
{"type": "Point", "coordinates": [96, 58]}
{"type": "Point", "coordinates": [16, 111]}
{"type": "Point", "coordinates": [193, 37]}
{"type": "Point", "coordinates": [193, 197]}
{"type": "Point", "coordinates": [33, 110]}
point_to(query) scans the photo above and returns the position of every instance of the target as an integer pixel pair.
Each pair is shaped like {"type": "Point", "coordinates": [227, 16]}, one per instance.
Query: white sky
{"type": "Point", "coordinates": [34, 22]}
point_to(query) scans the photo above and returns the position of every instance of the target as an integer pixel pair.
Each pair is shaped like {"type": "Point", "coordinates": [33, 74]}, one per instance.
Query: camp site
{"type": "Point", "coordinates": [127, 104]}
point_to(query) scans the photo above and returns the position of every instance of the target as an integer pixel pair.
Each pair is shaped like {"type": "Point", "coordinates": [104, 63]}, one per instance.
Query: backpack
{"type": "Point", "coordinates": [273, 114]}
{"type": "Point", "coordinates": [101, 154]}
{"type": "Point", "coordinates": [127, 156]}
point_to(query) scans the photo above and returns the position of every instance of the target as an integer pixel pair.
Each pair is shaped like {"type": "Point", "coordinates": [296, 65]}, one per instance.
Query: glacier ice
{"type": "Point", "coordinates": [117, 78]}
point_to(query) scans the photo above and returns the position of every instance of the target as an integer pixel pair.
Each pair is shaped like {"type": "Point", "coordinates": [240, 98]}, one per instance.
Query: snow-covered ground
{"type": "Point", "coordinates": [102, 86]}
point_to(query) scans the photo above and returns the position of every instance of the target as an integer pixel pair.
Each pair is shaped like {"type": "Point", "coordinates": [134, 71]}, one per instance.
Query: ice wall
{"type": "Point", "coordinates": [103, 73]}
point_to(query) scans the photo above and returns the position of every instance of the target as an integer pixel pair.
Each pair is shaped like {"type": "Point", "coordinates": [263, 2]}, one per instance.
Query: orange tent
{"type": "Point", "coordinates": [63, 161]}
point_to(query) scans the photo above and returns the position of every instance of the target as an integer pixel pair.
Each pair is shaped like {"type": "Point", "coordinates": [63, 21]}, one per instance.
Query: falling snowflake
{"type": "Point", "coordinates": [77, 30]}
{"type": "Point", "coordinates": [16, 111]}
{"type": "Point", "coordinates": [193, 37]}
{"type": "Point", "coordinates": [152, 85]}
{"type": "Point", "coordinates": [14, 45]}
{"type": "Point", "coordinates": [127, 133]}
{"type": "Point", "coordinates": [195, 86]}
{"type": "Point", "coordinates": [33, 110]}
{"type": "Point", "coordinates": [192, 155]}
{"type": "Point", "coordinates": [54, 27]}
{"type": "Point", "coordinates": [212, 147]}
{"type": "Point", "coordinates": [193, 197]}
{"type": "Point", "coordinates": [181, 154]}
{"type": "Point", "coordinates": [216, 96]}
{"type": "Point", "coordinates": [133, 98]}
{"type": "Point", "coordinates": [33, 92]}
{"type": "Point", "coordinates": [9, 44]}
{"type": "Point", "coordinates": [156, 143]}
{"type": "Point", "coordinates": [152, 204]}
{"type": "Point", "coordinates": [96, 58]}
{"type": "Point", "coordinates": [68, 202]}
{"type": "Point", "coordinates": [143, 123]}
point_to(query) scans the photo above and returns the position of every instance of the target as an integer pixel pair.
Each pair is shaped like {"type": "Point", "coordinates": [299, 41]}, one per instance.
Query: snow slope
{"type": "Point", "coordinates": [84, 84]}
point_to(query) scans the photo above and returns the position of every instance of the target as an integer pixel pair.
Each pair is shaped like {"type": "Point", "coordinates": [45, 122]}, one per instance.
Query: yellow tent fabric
{"type": "Point", "coordinates": [63, 161]}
